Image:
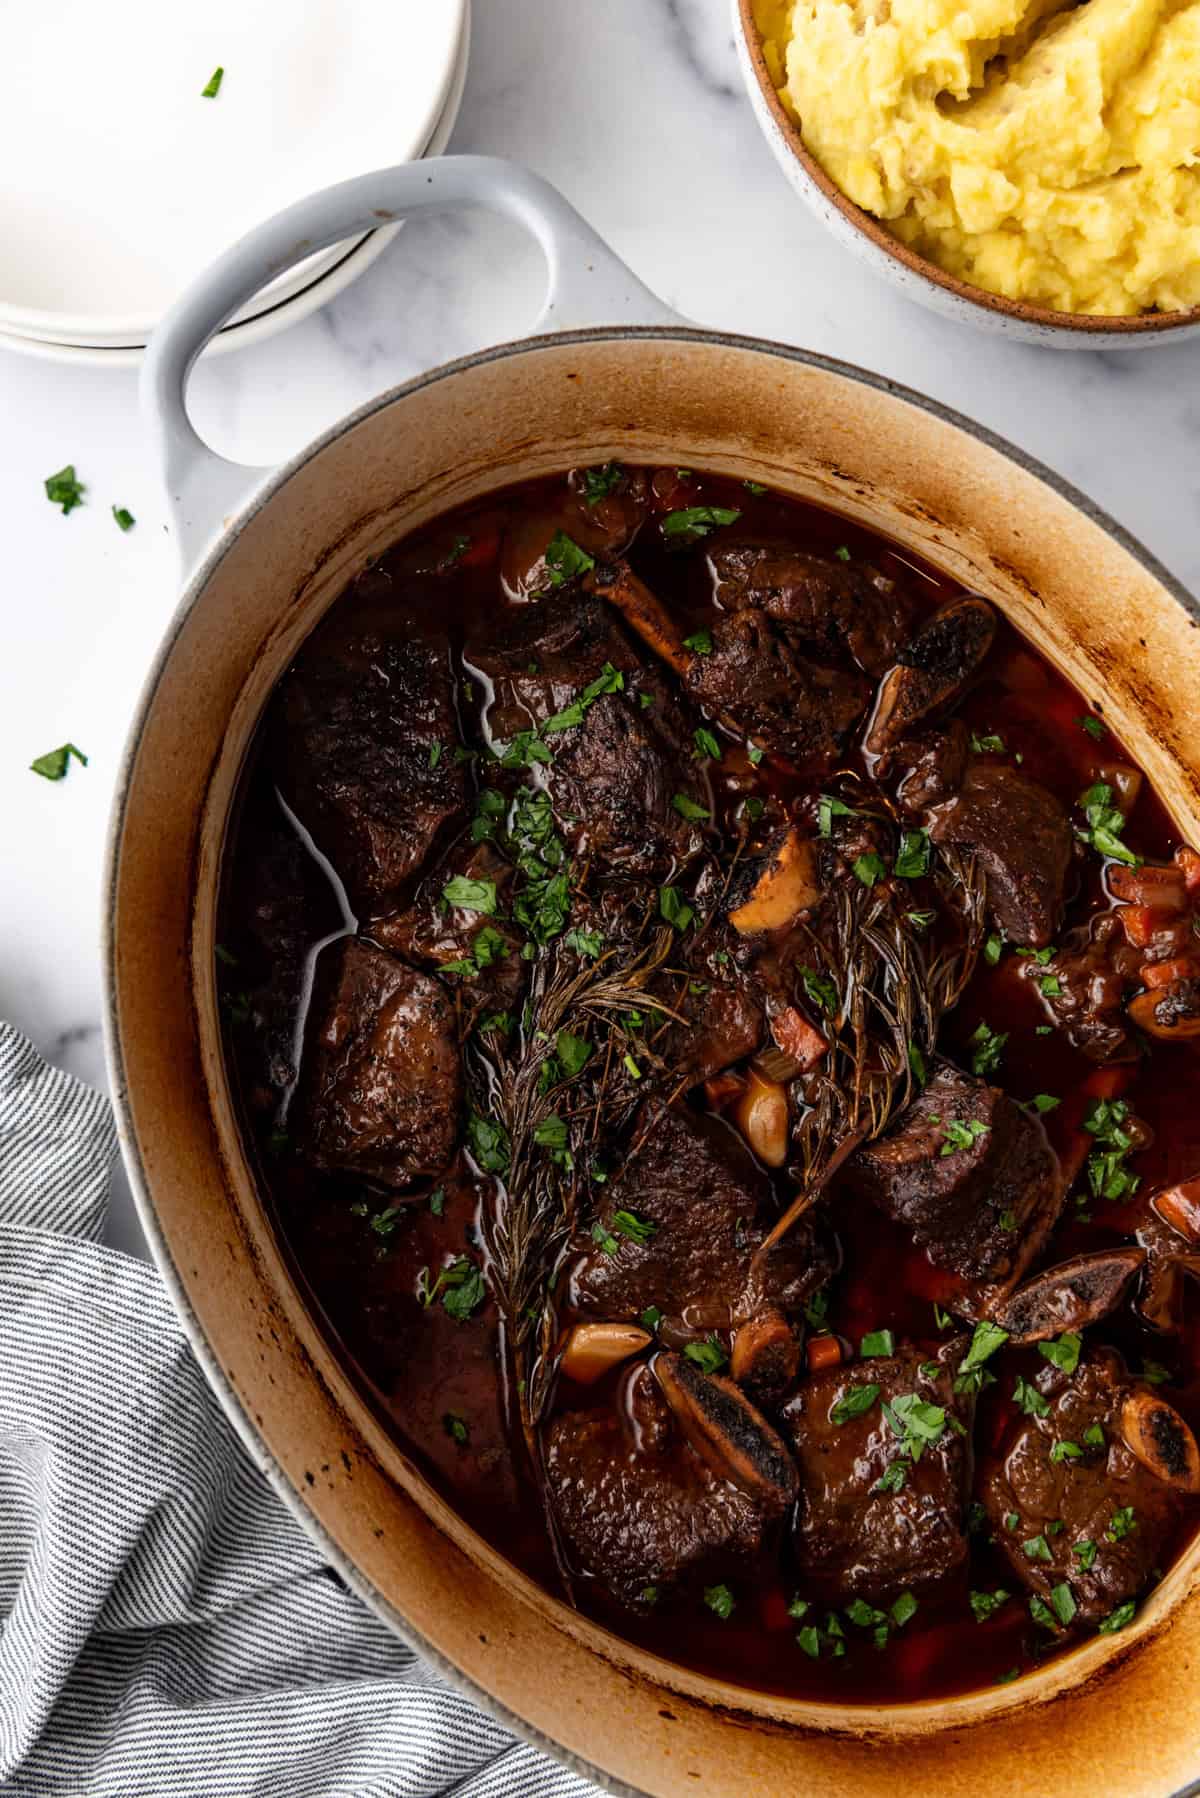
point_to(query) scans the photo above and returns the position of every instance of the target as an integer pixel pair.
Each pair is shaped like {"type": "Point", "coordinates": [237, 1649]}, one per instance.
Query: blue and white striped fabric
{"type": "Point", "coordinates": [166, 1629]}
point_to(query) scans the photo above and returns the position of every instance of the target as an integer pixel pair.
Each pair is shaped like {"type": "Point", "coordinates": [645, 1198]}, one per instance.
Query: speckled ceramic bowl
{"type": "Point", "coordinates": [1121, 1714]}
{"type": "Point", "coordinates": [922, 280]}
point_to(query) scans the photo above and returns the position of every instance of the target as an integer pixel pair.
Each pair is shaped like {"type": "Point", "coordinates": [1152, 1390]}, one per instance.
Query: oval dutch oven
{"type": "Point", "coordinates": [1120, 1714]}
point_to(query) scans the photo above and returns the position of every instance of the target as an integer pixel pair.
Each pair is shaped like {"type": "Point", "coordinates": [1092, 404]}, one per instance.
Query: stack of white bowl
{"type": "Point", "coordinates": [124, 177]}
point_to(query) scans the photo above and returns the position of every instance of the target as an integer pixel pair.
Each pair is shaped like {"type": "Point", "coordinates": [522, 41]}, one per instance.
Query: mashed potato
{"type": "Point", "coordinates": [1046, 154]}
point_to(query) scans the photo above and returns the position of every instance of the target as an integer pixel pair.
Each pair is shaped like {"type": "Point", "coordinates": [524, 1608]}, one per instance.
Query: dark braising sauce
{"type": "Point", "coordinates": [572, 737]}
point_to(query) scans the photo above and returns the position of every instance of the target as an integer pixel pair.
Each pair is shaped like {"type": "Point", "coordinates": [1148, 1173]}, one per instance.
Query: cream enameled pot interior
{"type": "Point", "coordinates": [1127, 1719]}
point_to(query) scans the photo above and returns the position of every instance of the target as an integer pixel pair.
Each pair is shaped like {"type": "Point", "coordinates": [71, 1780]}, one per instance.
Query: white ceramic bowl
{"type": "Point", "coordinates": [865, 237]}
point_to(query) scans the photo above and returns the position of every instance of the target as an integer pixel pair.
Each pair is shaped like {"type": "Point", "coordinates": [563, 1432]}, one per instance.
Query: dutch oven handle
{"type": "Point", "coordinates": [588, 284]}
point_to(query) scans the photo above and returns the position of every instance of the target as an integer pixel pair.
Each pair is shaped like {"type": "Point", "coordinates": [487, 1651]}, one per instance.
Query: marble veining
{"type": "Point", "coordinates": [636, 111]}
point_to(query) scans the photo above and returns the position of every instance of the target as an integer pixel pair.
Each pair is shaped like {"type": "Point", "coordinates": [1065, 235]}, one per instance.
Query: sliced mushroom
{"type": "Point", "coordinates": [761, 1114]}
{"type": "Point", "coordinates": [726, 1431]}
{"type": "Point", "coordinates": [645, 614]}
{"type": "Point", "coordinates": [1155, 1432]}
{"type": "Point", "coordinates": [1069, 1296]}
{"type": "Point", "coordinates": [937, 664]}
{"type": "Point", "coordinates": [592, 1349]}
{"type": "Point", "coordinates": [1179, 1206]}
{"type": "Point", "coordinates": [787, 886]}
{"type": "Point", "coordinates": [766, 1356]}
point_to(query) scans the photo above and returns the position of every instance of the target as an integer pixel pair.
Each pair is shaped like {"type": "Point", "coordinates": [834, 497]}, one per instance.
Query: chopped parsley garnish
{"type": "Point", "coordinates": [565, 559]}
{"type": "Point", "coordinates": [1063, 1352]}
{"type": "Point", "coordinates": [904, 1609]}
{"type": "Point", "coordinates": [1107, 1175]}
{"type": "Point", "coordinates": [1122, 1523]}
{"type": "Point", "coordinates": [687, 808]}
{"type": "Point", "coordinates": [962, 1135]}
{"type": "Point", "coordinates": [608, 1242]}
{"type": "Point", "coordinates": [213, 85]}
{"type": "Point", "coordinates": [720, 1600]}
{"type": "Point", "coordinates": [856, 1401]}
{"type": "Point", "coordinates": [878, 1342]}
{"type": "Point", "coordinates": [755, 754]}
{"type": "Point", "coordinates": [1093, 1436]}
{"type": "Point", "coordinates": [842, 553]}
{"type": "Point", "coordinates": [631, 1067]}
{"type": "Point", "coordinates": [986, 1604]}
{"type": "Point", "coordinates": [700, 642]}
{"type": "Point", "coordinates": [694, 522]}
{"type": "Point", "coordinates": [1117, 1619]}
{"type": "Point", "coordinates": [125, 519]}
{"type": "Point", "coordinates": [1063, 1450]}
{"type": "Point", "coordinates": [598, 483]}
{"type": "Point", "coordinates": [487, 947]}
{"type": "Point", "coordinates": [1062, 1603]}
{"type": "Point", "coordinates": [917, 1423]}
{"type": "Point", "coordinates": [437, 1201]}
{"type": "Point", "coordinates": [709, 1355]}
{"type": "Point", "coordinates": [920, 920]}
{"type": "Point", "coordinates": [1092, 726]}
{"type": "Point", "coordinates": [987, 1049]}
{"type": "Point", "coordinates": [820, 989]}
{"type": "Point", "coordinates": [587, 943]}
{"type": "Point", "coordinates": [551, 1133]}
{"type": "Point", "coordinates": [706, 744]}
{"type": "Point", "coordinates": [1044, 1102]}
{"type": "Point", "coordinates": [53, 765]}
{"type": "Point", "coordinates": [1037, 1549]}
{"type": "Point", "coordinates": [651, 1318]}
{"type": "Point", "coordinates": [989, 745]}
{"type": "Point", "coordinates": [892, 1478]}
{"type": "Point", "coordinates": [754, 487]}
{"type": "Point", "coordinates": [1085, 1553]}
{"type": "Point", "coordinates": [1105, 824]}
{"type": "Point", "coordinates": [459, 1286]}
{"type": "Point", "coordinates": [916, 1061]}
{"type": "Point", "coordinates": [488, 1143]}
{"type": "Point", "coordinates": [913, 858]}
{"type": "Point", "coordinates": [829, 807]}
{"type": "Point", "coordinates": [869, 868]}
{"type": "Point", "coordinates": [1155, 1373]}
{"type": "Point", "coordinates": [572, 1051]}
{"type": "Point", "coordinates": [635, 1228]}
{"type": "Point", "coordinates": [62, 489]}
{"type": "Point", "coordinates": [1027, 1398]}
{"type": "Point", "coordinates": [471, 895]}
{"type": "Point", "coordinates": [993, 949]}
{"type": "Point", "coordinates": [675, 910]}
{"type": "Point", "coordinates": [987, 1339]}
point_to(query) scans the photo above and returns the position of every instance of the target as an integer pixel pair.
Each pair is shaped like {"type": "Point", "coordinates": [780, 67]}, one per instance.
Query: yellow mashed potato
{"type": "Point", "coordinates": [1044, 153]}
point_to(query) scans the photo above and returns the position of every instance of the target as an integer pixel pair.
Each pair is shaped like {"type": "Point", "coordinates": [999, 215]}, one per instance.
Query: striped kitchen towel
{"type": "Point", "coordinates": [166, 1628]}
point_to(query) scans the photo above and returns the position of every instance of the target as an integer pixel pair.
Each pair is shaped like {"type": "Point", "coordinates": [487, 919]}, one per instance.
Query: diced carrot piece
{"type": "Point", "coordinates": [823, 1351]}
{"type": "Point", "coordinates": [1162, 888]}
{"type": "Point", "coordinates": [1179, 1206]}
{"type": "Point", "coordinates": [1162, 973]}
{"type": "Point", "coordinates": [1139, 924]}
{"type": "Point", "coordinates": [798, 1038]}
{"type": "Point", "coordinates": [1189, 861]}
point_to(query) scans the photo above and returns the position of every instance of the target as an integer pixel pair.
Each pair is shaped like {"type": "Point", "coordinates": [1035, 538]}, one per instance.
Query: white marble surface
{"type": "Point", "coordinates": [635, 109]}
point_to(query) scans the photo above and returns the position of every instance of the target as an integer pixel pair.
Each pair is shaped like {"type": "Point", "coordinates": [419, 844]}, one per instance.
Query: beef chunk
{"type": "Point", "coordinates": [601, 510]}
{"type": "Point", "coordinates": [710, 1205]}
{"type": "Point", "coordinates": [614, 774]}
{"type": "Point", "coordinates": [1021, 836]}
{"type": "Point", "coordinates": [933, 671]}
{"type": "Point", "coordinates": [356, 721]}
{"type": "Point", "coordinates": [841, 605]}
{"type": "Point", "coordinates": [638, 1506]}
{"type": "Point", "coordinates": [850, 1537]}
{"type": "Point", "coordinates": [757, 678]}
{"type": "Point", "coordinates": [381, 1084]}
{"type": "Point", "coordinates": [479, 949]}
{"type": "Point", "coordinates": [1104, 1497]}
{"type": "Point", "coordinates": [725, 1025]}
{"type": "Point", "coordinates": [970, 1172]}
{"type": "Point", "coordinates": [1083, 987]}
{"type": "Point", "coordinates": [934, 766]}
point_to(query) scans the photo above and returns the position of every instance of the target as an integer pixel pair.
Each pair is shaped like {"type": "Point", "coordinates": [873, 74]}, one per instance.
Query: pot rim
{"type": "Point", "coordinates": [1148, 324]}
{"type": "Point", "coordinates": [194, 587]}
